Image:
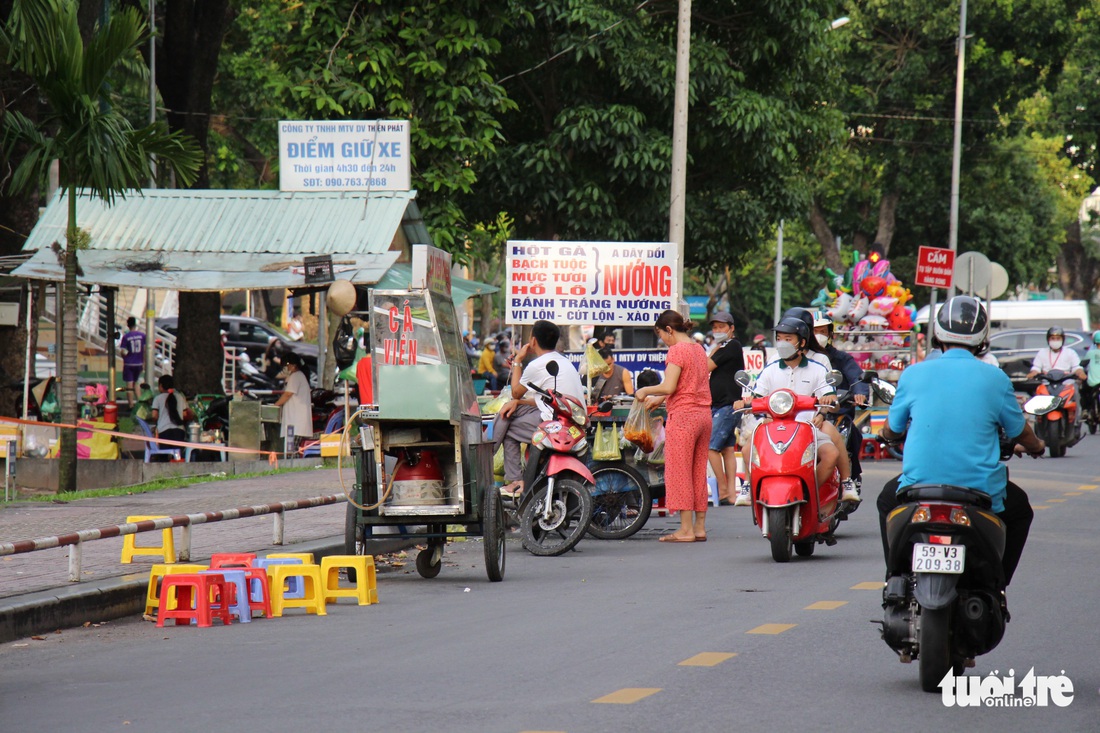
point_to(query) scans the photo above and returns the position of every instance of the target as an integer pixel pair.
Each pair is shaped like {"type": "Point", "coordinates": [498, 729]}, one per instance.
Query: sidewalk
{"type": "Point", "coordinates": [35, 592]}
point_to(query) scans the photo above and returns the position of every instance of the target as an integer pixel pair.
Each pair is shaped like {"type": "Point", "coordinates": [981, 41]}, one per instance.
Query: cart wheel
{"type": "Point", "coordinates": [492, 529]}
{"type": "Point", "coordinates": [621, 502]}
{"type": "Point", "coordinates": [424, 564]}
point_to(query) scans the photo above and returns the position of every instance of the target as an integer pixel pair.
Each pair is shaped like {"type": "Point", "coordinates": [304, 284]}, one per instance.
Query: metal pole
{"type": "Point", "coordinates": [150, 336]}
{"type": "Point", "coordinates": [778, 273]}
{"type": "Point", "coordinates": [676, 224]}
{"type": "Point", "coordinates": [152, 84]}
{"type": "Point", "coordinates": [112, 395]}
{"type": "Point", "coordinates": [27, 366]}
{"type": "Point", "coordinates": [956, 153]}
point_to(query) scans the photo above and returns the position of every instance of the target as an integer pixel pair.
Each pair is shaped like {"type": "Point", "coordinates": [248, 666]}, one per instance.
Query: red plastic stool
{"type": "Point", "coordinates": [259, 597]}
{"type": "Point", "coordinates": [232, 560]}
{"type": "Point", "coordinates": [193, 598]}
{"type": "Point", "coordinates": [871, 449]}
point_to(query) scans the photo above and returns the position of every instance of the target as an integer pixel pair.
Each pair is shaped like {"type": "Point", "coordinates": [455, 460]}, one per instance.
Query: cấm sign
{"type": "Point", "coordinates": [935, 267]}
{"type": "Point", "coordinates": [598, 283]}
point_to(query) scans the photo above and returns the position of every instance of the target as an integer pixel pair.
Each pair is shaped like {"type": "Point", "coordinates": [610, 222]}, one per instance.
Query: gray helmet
{"type": "Point", "coordinates": [795, 325]}
{"type": "Point", "coordinates": [962, 322]}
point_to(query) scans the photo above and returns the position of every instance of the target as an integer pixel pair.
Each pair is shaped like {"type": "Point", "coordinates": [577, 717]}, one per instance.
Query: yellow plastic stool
{"type": "Point", "coordinates": [158, 571]}
{"type": "Point", "coordinates": [314, 598]}
{"type": "Point", "coordinates": [366, 582]}
{"type": "Point", "coordinates": [305, 557]}
{"type": "Point", "coordinates": [167, 549]}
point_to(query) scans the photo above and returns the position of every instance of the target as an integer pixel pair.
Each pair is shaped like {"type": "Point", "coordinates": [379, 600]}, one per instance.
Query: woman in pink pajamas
{"type": "Point", "coordinates": [686, 394]}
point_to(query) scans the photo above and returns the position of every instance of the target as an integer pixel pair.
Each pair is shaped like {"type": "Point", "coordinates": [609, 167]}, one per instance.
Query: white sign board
{"type": "Point", "coordinates": [316, 155]}
{"type": "Point", "coordinates": [597, 283]}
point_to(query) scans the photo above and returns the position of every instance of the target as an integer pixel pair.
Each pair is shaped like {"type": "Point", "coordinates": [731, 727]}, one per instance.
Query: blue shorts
{"type": "Point", "coordinates": [723, 431]}
{"type": "Point", "coordinates": [131, 373]}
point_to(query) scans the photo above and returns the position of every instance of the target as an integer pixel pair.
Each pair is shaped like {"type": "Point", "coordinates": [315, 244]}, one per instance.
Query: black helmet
{"type": "Point", "coordinates": [1055, 331]}
{"type": "Point", "coordinates": [801, 314]}
{"type": "Point", "coordinates": [795, 325]}
{"type": "Point", "coordinates": [961, 322]}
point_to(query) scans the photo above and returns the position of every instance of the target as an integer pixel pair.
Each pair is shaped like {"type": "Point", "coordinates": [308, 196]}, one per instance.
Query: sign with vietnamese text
{"type": "Point", "coordinates": [935, 267]}
{"type": "Point", "coordinates": [318, 155]}
{"type": "Point", "coordinates": [597, 283]}
{"type": "Point", "coordinates": [431, 269]}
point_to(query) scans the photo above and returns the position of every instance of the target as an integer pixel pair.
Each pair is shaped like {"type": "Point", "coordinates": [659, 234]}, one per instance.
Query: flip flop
{"type": "Point", "coordinates": [674, 538]}
{"type": "Point", "coordinates": [700, 538]}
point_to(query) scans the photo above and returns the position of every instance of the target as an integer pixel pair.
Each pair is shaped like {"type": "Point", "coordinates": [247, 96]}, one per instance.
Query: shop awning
{"type": "Point", "coordinates": [399, 276]}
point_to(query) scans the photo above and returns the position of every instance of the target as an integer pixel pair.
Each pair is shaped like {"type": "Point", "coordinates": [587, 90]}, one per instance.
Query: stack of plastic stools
{"type": "Point", "coordinates": [166, 551]}
{"type": "Point", "coordinates": [158, 571]}
{"type": "Point", "coordinates": [305, 557]}
{"type": "Point", "coordinates": [313, 593]}
{"type": "Point", "coordinates": [259, 596]}
{"type": "Point", "coordinates": [193, 592]}
{"type": "Point", "coordinates": [366, 582]}
{"type": "Point", "coordinates": [294, 589]}
{"type": "Point", "coordinates": [235, 596]}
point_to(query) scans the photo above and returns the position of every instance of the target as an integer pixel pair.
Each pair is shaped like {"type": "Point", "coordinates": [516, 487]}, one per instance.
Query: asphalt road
{"type": "Point", "coordinates": [629, 635]}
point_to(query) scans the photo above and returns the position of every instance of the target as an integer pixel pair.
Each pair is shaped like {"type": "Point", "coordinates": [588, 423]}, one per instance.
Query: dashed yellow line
{"type": "Point", "coordinates": [871, 585]}
{"type": "Point", "coordinates": [1056, 501]}
{"type": "Point", "coordinates": [1089, 487]}
{"type": "Point", "coordinates": [771, 628]}
{"type": "Point", "coordinates": [1072, 493]}
{"type": "Point", "coordinates": [707, 659]}
{"type": "Point", "coordinates": [1040, 506]}
{"type": "Point", "coordinates": [825, 605]}
{"type": "Point", "coordinates": [628, 695]}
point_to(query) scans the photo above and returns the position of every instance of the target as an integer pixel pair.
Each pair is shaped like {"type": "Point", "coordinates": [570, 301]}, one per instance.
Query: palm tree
{"type": "Point", "coordinates": [95, 145]}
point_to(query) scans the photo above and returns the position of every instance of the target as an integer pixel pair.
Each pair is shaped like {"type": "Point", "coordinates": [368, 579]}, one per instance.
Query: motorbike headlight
{"type": "Point", "coordinates": [781, 403]}
{"type": "Point", "coordinates": [579, 414]}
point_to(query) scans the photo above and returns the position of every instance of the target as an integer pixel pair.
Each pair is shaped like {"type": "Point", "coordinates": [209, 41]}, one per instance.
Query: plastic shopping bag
{"type": "Point", "coordinates": [606, 445]}
{"type": "Point", "coordinates": [640, 428]}
{"type": "Point", "coordinates": [657, 457]}
{"type": "Point", "coordinates": [595, 364]}
{"type": "Point", "coordinates": [493, 406]}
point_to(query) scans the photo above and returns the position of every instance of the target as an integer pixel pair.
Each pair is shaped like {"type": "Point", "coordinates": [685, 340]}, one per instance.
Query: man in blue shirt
{"type": "Point", "coordinates": [949, 410]}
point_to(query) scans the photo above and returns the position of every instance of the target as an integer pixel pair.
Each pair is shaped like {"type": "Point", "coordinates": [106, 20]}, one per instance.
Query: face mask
{"type": "Point", "coordinates": [1055, 344]}
{"type": "Point", "coordinates": [720, 336]}
{"type": "Point", "coordinates": [822, 339]}
{"type": "Point", "coordinates": [786, 349]}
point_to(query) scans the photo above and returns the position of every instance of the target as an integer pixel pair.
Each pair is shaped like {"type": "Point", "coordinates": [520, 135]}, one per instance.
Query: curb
{"type": "Point", "coordinates": [74, 605]}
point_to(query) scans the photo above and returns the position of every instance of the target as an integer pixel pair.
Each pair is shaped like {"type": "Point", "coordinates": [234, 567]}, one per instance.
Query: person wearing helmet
{"type": "Point", "coordinates": [1090, 391]}
{"type": "Point", "coordinates": [814, 350]}
{"type": "Point", "coordinates": [1055, 356]}
{"type": "Point", "coordinates": [850, 380]}
{"type": "Point", "coordinates": [950, 411]}
{"type": "Point", "coordinates": [795, 371]}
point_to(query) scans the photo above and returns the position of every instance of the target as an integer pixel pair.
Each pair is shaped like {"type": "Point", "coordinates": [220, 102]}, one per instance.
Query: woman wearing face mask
{"type": "Point", "coordinates": [725, 359]}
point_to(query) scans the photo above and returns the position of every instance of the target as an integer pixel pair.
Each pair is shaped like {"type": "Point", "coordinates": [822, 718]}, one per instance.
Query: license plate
{"type": "Point", "coordinates": [938, 558]}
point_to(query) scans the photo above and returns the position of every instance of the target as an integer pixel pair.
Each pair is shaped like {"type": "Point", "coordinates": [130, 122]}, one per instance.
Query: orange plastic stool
{"type": "Point", "coordinates": [193, 593]}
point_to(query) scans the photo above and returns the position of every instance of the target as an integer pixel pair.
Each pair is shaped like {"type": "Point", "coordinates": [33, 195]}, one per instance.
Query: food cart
{"type": "Point", "coordinates": [422, 463]}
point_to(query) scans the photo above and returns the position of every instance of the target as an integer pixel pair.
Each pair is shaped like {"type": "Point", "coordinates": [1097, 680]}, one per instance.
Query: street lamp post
{"type": "Point", "coordinates": [678, 192]}
{"type": "Point", "coordinates": [956, 152]}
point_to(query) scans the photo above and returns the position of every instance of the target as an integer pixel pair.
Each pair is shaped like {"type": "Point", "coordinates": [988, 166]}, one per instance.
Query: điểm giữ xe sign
{"type": "Point", "coordinates": [366, 155]}
{"type": "Point", "coordinates": [597, 283]}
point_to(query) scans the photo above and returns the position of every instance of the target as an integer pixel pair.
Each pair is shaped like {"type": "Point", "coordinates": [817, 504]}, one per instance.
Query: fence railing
{"type": "Point", "coordinates": [75, 540]}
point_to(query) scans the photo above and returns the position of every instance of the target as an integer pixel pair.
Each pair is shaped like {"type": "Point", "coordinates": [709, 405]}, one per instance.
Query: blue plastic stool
{"type": "Point", "coordinates": [295, 588]}
{"type": "Point", "coordinates": [238, 578]}
{"type": "Point", "coordinates": [712, 488]}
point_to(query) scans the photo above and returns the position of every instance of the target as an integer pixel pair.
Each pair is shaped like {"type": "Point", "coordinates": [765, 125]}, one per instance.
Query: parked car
{"type": "Point", "coordinates": [1016, 349]}
{"type": "Point", "coordinates": [253, 335]}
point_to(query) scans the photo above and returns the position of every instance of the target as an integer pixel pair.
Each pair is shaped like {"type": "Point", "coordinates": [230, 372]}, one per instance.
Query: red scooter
{"type": "Point", "coordinates": [788, 505]}
{"type": "Point", "coordinates": [554, 512]}
{"type": "Point", "coordinates": [1058, 425]}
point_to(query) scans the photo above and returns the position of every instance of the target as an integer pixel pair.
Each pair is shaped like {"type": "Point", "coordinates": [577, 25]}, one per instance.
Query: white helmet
{"type": "Point", "coordinates": [820, 319]}
{"type": "Point", "coordinates": [961, 321]}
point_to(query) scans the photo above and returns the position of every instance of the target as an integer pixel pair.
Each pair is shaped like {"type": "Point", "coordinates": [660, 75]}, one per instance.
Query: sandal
{"type": "Point", "coordinates": [512, 490]}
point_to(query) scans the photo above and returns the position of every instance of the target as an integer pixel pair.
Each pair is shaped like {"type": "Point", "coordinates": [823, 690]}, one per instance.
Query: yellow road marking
{"type": "Point", "coordinates": [1072, 493]}
{"type": "Point", "coordinates": [707, 659]}
{"type": "Point", "coordinates": [872, 585]}
{"type": "Point", "coordinates": [1056, 501]}
{"type": "Point", "coordinates": [771, 628]}
{"type": "Point", "coordinates": [825, 606]}
{"type": "Point", "coordinates": [628, 695]}
{"type": "Point", "coordinates": [1040, 506]}
{"type": "Point", "coordinates": [542, 731]}
{"type": "Point", "coordinates": [1089, 487]}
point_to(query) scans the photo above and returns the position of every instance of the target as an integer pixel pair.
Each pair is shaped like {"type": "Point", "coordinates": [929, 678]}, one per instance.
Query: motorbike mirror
{"type": "Point", "coordinates": [834, 378]}
{"type": "Point", "coordinates": [742, 378]}
{"type": "Point", "coordinates": [552, 369]}
{"type": "Point", "coordinates": [869, 377]}
{"type": "Point", "coordinates": [1042, 404]}
{"type": "Point", "coordinates": [884, 391]}
{"type": "Point", "coordinates": [605, 406]}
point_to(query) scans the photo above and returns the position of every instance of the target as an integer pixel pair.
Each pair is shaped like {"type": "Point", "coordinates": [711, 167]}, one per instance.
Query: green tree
{"type": "Point", "coordinates": [96, 147]}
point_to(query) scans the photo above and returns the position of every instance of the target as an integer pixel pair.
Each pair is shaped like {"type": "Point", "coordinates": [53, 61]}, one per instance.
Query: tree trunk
{"type": "Point", "coordinates": [1078, 271]}
{"type": "Point", "coordinates": [67, 356]}
{"type": "Point", "coordinates": [199, 347]}
{"type": "Point", "coordinates": [887, 218]}
{"type": "Point", "coordinates": [825, 237]}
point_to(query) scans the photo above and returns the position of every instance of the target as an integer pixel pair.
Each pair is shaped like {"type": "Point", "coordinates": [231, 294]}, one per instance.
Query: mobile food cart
{"type": "Point", "coordinates": [422, 463]}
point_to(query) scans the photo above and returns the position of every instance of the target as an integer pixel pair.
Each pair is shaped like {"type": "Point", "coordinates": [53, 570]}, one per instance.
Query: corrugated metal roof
{"type": "Point", "coordinates": [227, 221]}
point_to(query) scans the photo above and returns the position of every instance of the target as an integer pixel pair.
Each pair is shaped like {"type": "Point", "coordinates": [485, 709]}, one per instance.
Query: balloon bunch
{"type": "Point", "coordinates": [871, 311]}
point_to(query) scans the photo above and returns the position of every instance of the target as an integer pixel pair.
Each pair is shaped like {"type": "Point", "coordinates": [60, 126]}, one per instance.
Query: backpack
{"type": "Point", "coordinates": [344, 344]}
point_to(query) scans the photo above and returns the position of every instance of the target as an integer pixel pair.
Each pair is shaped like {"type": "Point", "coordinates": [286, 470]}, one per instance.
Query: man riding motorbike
{"type": "Point", "coordinates": [794, 370]}
{"type": "Point", "coordinates": [949, 411]}
{"type": "Point", "coordinates": [851, 373]}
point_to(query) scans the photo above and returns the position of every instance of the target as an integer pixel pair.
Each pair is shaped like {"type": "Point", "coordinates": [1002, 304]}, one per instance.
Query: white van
{"type": "Point", "coordinates": [1008, 314]}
